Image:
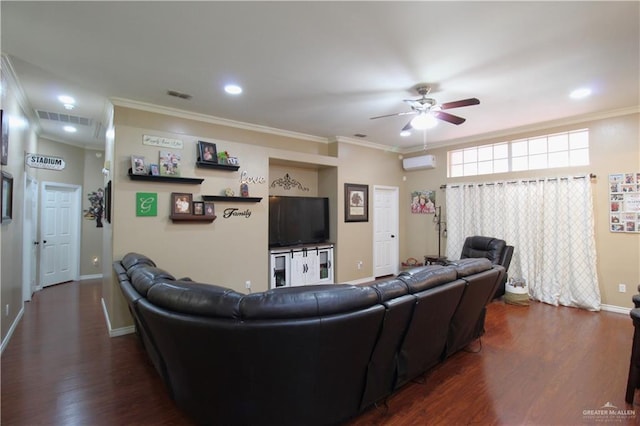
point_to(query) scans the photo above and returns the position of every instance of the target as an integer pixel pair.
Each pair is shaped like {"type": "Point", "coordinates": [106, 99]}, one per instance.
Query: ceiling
{"type": "Point", "coordinates": [324, 68]}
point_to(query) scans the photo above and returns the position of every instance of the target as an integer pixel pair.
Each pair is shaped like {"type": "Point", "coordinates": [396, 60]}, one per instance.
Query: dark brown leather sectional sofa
{"type": "Point", "coordinates": [312, 355]}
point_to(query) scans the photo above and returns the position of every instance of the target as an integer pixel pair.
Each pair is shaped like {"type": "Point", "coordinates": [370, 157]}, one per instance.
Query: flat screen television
{"type": "Point", "coordinates": [298, 220]}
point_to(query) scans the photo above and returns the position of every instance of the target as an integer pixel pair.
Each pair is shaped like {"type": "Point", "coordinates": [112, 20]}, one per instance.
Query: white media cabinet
{"type": "Point", "coordinates": [301, 265]}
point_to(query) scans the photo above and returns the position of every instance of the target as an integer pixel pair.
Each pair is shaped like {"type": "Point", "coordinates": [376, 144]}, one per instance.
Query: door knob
{"type": "Point", "coordinates": [393, 236]}
{"type": "Point", "coordinates": [35, 243]}
{"type": "Point", "coordinates": [44, 242]}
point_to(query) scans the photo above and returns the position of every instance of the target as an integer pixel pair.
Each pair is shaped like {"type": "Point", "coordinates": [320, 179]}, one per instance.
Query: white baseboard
{"type": "Point", "coordinates": [90, 277]}
{"type": "Point", "coordinates": [616, 309]}
{"type": "Point", "coordinates": [11, 329]}
{"type": "Point", "coordinates": [117, 331]}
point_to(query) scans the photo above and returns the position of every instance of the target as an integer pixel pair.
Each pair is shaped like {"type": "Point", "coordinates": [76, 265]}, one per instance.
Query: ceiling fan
{"type": "Point", "coordinates": [427, 110]}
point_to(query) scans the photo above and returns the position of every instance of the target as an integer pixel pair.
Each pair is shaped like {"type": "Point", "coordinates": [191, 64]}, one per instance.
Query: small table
{"type": "Point", "coordinates": [432, 259]}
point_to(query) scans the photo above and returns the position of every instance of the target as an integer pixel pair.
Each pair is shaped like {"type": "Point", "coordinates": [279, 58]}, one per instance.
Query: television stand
{"type": "Point", "coordinates": [301, 265]}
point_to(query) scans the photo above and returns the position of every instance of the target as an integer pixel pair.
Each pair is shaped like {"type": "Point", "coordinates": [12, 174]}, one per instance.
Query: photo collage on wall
{"type": "Point", "coordinates": [624, 202]}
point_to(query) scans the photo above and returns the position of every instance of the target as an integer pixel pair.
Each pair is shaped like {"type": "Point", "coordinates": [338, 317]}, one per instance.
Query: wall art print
{"type": "Point", "coordinates": [356, 202]}
{"type": "Point", "coordinates": [96, 207]}
{"type": "Point", "coordinates": [423, 202]}
{"type": "Point", "coordinates": [624, 202]}
{"type": "Point", "coordinates": [146, 204]}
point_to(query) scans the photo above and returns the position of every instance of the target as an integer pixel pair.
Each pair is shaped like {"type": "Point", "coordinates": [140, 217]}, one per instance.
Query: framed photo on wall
{"type": "Point", "coordinates": [6, 198]}
{"type": "Point", "coordinates": [356, 202]}
{"type": "Point", "coordinates": [181, 203]}
{"type": "Point", "coordinates": [207, 152]}
{"type": "Point", "coordinates": [4, 125]}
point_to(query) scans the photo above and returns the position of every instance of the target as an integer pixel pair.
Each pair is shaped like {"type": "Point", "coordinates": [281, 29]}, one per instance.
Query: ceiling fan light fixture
{"type": "Point", "coordinates": [405, 133]}
{"type": "Point", "coordinates": [424, 121]}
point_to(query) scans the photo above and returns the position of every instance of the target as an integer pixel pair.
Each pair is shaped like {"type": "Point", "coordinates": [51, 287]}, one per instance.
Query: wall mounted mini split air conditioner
{"type": "Point", "coordinates": [419, 163]}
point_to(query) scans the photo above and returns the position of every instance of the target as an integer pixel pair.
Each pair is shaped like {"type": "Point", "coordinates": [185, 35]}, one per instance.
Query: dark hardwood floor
{"type": "Point", "coordinates": [536, 365]}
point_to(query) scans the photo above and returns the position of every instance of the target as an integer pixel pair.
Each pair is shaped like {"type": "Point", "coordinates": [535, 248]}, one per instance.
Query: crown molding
{"type": "Point", "coordinates": [9, 75]}
{"type": "Point", "coordinates": [128, 103]}
{"type": "Point", "coordinates": [366, 144]}
{"type": "Point", "coordinates": [579, 119]}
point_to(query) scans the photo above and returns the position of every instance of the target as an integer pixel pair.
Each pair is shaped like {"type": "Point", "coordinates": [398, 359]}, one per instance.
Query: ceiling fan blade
{"type": "Point", "coordinates": [393, 115]}
{"type": "Point", "coordinates": [407, 127]}
{"type": "Point", "coordinates": [450, 118]}
{"type": "Point", "coordinates": [461, 103]}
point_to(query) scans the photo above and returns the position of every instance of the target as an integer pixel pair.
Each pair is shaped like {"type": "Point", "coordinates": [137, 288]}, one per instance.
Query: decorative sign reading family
{"type": "Point", "coordinates": [624, 202]}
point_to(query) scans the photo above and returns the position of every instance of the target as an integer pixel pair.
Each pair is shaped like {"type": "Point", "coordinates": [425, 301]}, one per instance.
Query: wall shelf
{"type": "Point", "coordinates": [192, 218]}
{"type": "Point", "coordinates": [167, 179]}
{"type": "Point", "coordinates": [226, 167]}
{"type": "Point", "coordinates": [231, 199]}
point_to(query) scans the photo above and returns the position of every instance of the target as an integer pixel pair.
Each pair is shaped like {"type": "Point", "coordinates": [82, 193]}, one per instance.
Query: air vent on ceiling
{"type": "Point", "coordinates": [64, 118]}
{"type": "Point", "coordinates": [179, 94]}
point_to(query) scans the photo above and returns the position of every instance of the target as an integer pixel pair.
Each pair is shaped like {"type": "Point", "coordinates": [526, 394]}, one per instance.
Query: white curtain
{"type": "Point", "coordinates": [548, 221]}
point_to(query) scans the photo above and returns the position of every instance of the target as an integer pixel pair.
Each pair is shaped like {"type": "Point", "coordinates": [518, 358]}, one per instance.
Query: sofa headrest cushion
{"type": "Point", "coordinates": [132, 259]}
{"type": "Point", "coordinates": [390, 289]}
{"type": "Point", "coordinates": [466, 267]}
{"type": "Point", "coordinates": [144, 277]}
{"type": "Point", "coordinates": [193, 298]}
{"type": "Point", "coordinates": [420, 279]}
{"type": "Point", "coordinates": [307, 301]}
{"type": "Point", "coordinates": [479, 246]}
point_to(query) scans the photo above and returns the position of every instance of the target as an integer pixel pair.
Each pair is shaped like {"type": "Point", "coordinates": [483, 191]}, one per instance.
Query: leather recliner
{"type": "Point", "coordinates": [494, 249]}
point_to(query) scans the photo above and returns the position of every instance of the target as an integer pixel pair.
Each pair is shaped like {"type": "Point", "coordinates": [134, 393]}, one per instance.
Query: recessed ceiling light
{"type": "Point", "coordinates": [233, 89]}
{"type": "Point", "coordinates": [581, 93]}
{"type": "Point", "coordinates": [69, 106]}
{"type": "Point", "coordinates": [66, 99]}
{"type": "Point", "coordinates": [70, 129]}
{"type": "Point", "coordinates": [405, 133]}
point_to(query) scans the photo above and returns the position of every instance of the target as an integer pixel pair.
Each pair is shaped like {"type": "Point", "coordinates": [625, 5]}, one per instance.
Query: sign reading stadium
{"type": "Point", "coordinates": [45, 162]}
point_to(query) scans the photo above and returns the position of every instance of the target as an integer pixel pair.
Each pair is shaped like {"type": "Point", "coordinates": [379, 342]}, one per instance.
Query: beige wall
{"type": "Point", "coordinates": [362, 165]}
{"type": "Point", "coordinates": [614, 148]}
{"type": "Point", "coordinates": [21, 135]}
{"type": "Point", "coordinates": [231, 251]}
{"type": "Point", "coordinates": [91, 234]}
{"type": "Point", "coordinates": [22, 140]}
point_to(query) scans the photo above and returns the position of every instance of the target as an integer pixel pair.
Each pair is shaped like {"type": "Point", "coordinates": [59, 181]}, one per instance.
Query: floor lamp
{"type": "Point", "coordinates": [437, 219]}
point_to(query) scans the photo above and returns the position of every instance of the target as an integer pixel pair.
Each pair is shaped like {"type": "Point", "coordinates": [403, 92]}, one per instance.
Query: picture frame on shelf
{"type": "Point", "coordinates": [209, 209]}
{"type": "Point", "coordinates": [356, 202]}
{"type": "Point", "coordinates": [169, 164]}
{"type": "Point", "coordinates": [138, 165]}
{"type": "Point", "coordinates": [181, 203]}
{"type": "Point", "coordinates": [198, 208]}
{"type": "Point", "coordinates": [6, 198]}
{"type": "Point", "coordinates": [207, 152]}
{"type": "Point", "coordinates": [154, 170]}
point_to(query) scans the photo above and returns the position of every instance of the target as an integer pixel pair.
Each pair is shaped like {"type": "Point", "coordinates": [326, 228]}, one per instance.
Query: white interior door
{"type": "Point", "coordinates": [30, 241]}
{"type": "Point", "coordinates": [59, 233]}
{"type": "Point", "coordinates": [385, 230]}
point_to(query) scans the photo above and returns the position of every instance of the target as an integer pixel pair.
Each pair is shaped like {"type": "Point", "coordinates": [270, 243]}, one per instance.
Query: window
{"type": "Point", "coordinates": [479, 160]}
{"type": "Point", "coordinates": [541, 152]}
